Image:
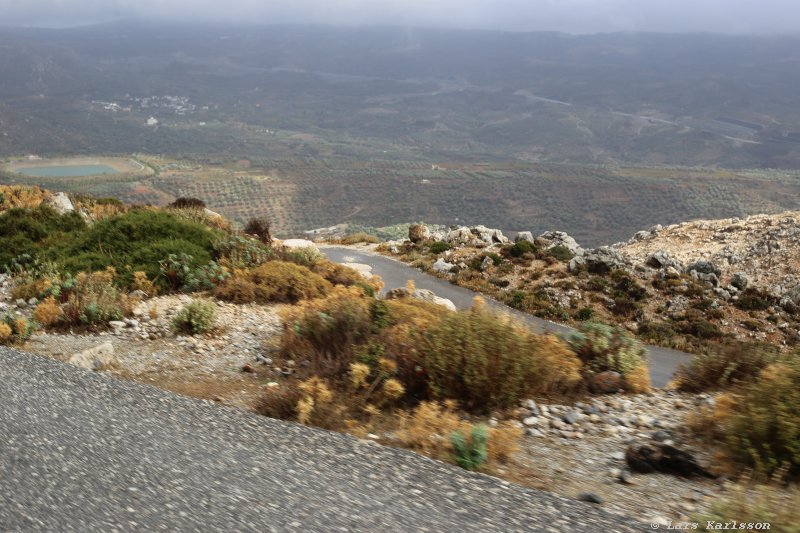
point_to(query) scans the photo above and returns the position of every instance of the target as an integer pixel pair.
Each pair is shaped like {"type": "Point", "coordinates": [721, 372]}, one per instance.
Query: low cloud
{"type": "Point", "coordinates": [578, 16]}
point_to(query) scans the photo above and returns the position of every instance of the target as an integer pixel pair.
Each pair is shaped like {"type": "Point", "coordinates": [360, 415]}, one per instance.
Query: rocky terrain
{"type": "Point", "coordinates": [679, 285]}
{"type": "Point", "coordinates": [575, 450]}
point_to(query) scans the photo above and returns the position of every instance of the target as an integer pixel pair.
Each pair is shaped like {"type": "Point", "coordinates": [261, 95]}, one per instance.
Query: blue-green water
{"type": "Point", "coordinates": [67, 171]}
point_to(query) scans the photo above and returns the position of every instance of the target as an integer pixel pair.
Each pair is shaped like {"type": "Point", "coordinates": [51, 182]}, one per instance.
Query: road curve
{"type": "Point", "coordinates": [663, 361]}
{"type": "Point", "coordinates": [83, 451]}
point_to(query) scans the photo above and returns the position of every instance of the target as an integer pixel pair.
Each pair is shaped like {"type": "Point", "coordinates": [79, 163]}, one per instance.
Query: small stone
{"type": "Point", "coordinates": [660, 435]}
{"type": "Point", "coordinates": [570, 418]}
{"type": "Point", "coordinates": [590, 497]}
{"type": "Point", "coordinates": [618, 456]}
{"type": "Point", "coordinates": [626, 478]}
{"type": "Point", "coordinates": [531, 421]}
{"type": "Point", "coordinates": [248, 369]}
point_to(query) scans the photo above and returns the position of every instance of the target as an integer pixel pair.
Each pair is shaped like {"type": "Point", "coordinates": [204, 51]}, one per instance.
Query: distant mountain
{"type": "Point", "coordinates": [423, 95]}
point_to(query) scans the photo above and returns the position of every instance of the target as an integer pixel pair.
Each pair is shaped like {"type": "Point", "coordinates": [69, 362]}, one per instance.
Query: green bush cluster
{"type": "Point", "coordinates": [763, 427]}
{"type": "Point", "coordinates": [179, 272]}
{"type": "Point", "coordinates": [473, 453]}
{"type": "Point", "coordinates": [195, 318]}
{"type": "Point", "coordinates": [602, 347]}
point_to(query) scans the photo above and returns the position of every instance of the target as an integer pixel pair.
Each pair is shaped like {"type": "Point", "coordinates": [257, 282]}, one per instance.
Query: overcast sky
{"type": "Point", "coordinates": [578, 16]}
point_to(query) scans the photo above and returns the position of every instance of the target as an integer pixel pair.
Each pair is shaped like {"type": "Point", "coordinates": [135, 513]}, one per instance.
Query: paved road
{"type": "Point", "coordinates": [82, 451]}
{"type": "Point", "coordinates": [663, 361]}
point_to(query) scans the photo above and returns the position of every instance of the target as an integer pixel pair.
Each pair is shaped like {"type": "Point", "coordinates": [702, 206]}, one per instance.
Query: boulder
{"type": "Point", "coordinates": [97, 358]}
{"type": "Point", "coordinates": [443, 266]}
{"type": "Point", "coordinates": [461, 235]}
{"type": "Point", "coordinates": [603, 260]}
{"type": "Point", "coordinates": [488, 235]}
{"type": "Point", "coordinates": [60, 203]}
{"type": "Point", "coordinates": [662, 259]}
{"type": "Point", "coordinates": [420, 294]}
{"type": "Point", "coordinates": [486, 263]}
{"type": "Point", "coordinates": [524, 236]}
{"type": "Point", "coordinates": [704, 267]}
{"type": "Point", "coordinates": [418, 233]}
{"type": "Point", "coordinates": [740, 280]}
{"type": "Point", "coordinates": [659, 457]}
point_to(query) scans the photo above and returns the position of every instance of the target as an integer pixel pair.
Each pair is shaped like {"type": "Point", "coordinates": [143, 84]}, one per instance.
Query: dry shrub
{"type": "Point", "coordinates": [142, 283]}
{"type": "Point", "coordinates": [17, 330]}
{"type": "Point", "coordinates": [488, 361]}
{"type": "Point", "coordinates": [337, 274]}
{"type": "Point", "coordinates": [504, 442]}
{"type": "Point", "coordinates": [280, 402]}
{"type": "Point", "coordinates": [31, 289]}
{"type": "Point", "coordinates": [763, 427]}
{"type": "Point", "coordinates": [21, 196]}
{"type": "Point", "coordinates": [428, 430]}
{"type": "Point", "coordinates": [360, 237]}
{"type": "Point", "coordinates": [752, 502]}
{"type": "Point", "coordinates": [637, 380]}
{"type": "Point", "coordinates": [318, 405]}
{"type": "Point", "coordinates": [275, 281]}
{"type": "Point", "coordinates": [48, 312]}
{"type": "Point", "coordinates": [725, 365]}
{"type": "Point", "coordinates": [5, 333]}
{"type": "Point", "coordinates": [326, 331]}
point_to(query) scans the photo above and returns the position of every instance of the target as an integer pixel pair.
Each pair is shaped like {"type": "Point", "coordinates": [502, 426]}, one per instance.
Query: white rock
{"type": "Point", "coordinates": [97, 358]}
{"type": "Point", "coordinates": [298, 243]}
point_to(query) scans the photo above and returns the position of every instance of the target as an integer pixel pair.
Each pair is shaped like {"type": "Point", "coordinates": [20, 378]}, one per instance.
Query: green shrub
{"type": "Point", "coordinates": [195, 318]}
{"type": "Point", "coordinates": [602, 347]}
{"type": "Point", "coordinates": [34, 232]}
{"type": "Point", "coordinates": [584, 314]}
{"type": "Point", "coordinates": [306, 256]}
{"type": "Point", "coordinates": [439, 247]}
{"type": "Point", "coordinates": [91, 299]}
{"type": "Point", "coordinates": [237, 251]}
{"type": "Point", "coordinates": [180, 274]}
{"type": "Point", "coordinates": [725, 365]}
{"type": "Point", "coordinates": [487, 361]}
{"type": "Point", "coordinates": [275, 281]}
{"type": "Point", "coordinates": [562, 253]}
{"type": "Point", "coordinates": [753, 300]}
{"type": "Point", "coordinates": [763, 427]}
{"type": "Point", "coordinates": [137, 241]}
{"type": "Point", "coordinates": [471, 454]}
{"type": "Point", "coordinates": [520, 248]}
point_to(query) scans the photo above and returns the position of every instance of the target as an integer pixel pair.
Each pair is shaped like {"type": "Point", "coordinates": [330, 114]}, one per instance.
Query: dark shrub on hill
{"type": "Point", "coordinates": [33, 231]}
{"type": "Point", "coordinates": [259, 227]}
{"type": "Point", "coordinates": [137, 241]}
{"type": "Point", "coordinates": [187, 203]}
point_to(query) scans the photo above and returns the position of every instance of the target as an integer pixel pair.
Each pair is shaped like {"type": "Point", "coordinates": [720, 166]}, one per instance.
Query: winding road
{"type": "Point", "coordinates": [663, 361]}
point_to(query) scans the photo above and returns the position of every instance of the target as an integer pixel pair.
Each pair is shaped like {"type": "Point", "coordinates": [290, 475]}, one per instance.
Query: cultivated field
{"type": "Point", "coordinates": [120, 165]}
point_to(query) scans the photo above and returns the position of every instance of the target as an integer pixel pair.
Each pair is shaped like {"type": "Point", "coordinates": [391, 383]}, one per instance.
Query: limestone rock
{"type": "Point", "coordinates": [97, 358]}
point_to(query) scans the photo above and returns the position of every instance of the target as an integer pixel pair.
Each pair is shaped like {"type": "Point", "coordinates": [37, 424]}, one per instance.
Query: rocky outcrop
{"type": "Point", "coordinates": [418, 233]}
{"type": "Point", "coordinates": [560, 238]}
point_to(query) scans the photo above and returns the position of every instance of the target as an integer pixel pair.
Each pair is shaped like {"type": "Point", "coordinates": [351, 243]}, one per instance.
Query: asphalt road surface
{"type": "Point", "coordinates": [663, 361]}
{"type": "Point", "coordinates": [84, 452]}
